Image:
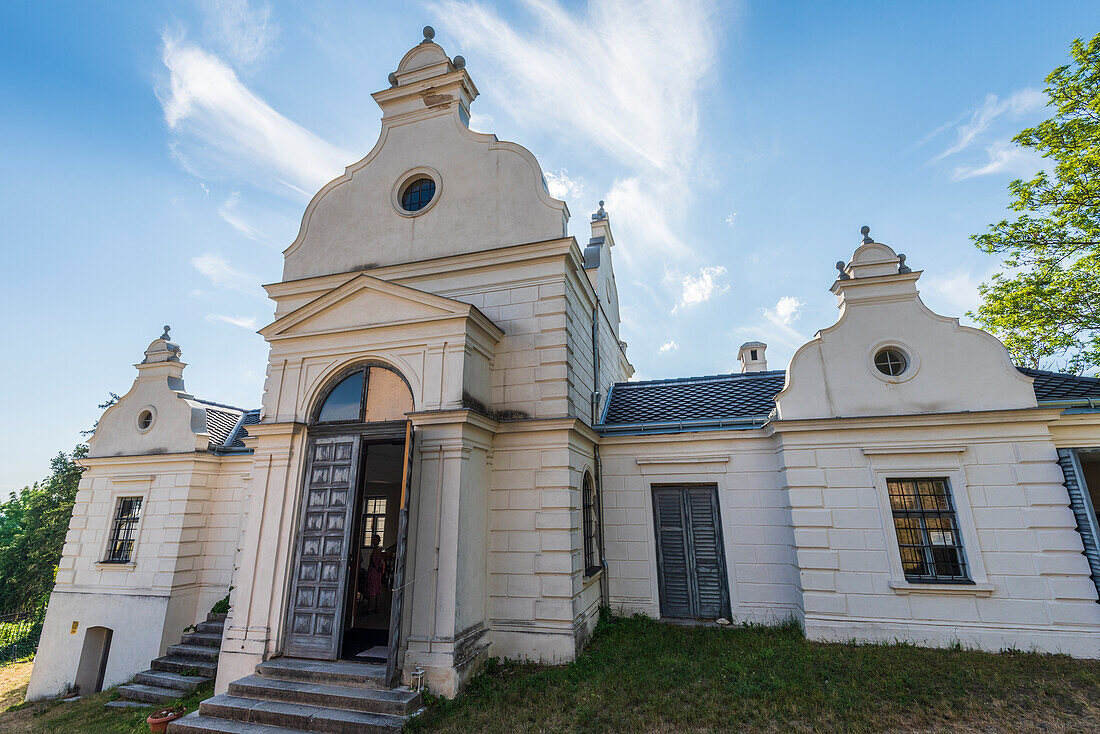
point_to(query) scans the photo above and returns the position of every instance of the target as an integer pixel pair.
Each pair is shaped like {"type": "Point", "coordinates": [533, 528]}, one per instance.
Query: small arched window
{"type": "Point", "coordinates": [366, 394]}
{"type": "Point", "coordinates": [590, 527]}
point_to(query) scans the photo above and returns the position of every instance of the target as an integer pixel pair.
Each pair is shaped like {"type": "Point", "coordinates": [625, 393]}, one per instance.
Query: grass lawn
{"type": "Point", "coordinates": [86, 715]}
{"type": "Point", "coordinates": [641, 675]}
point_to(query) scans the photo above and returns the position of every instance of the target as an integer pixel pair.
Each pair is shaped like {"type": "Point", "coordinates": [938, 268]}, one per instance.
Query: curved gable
{"type": "Point", "coordinates": [489, 193]}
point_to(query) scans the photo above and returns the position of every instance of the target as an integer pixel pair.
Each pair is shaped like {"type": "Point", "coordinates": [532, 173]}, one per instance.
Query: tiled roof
{"type": "Point", "coordinates": [226, 425]}
{"type": "Point", "coordinates": [236, 439]}
{"type": "Point", "coordinates": [742, 397]}
{"type": "Point", "coordinates": [717, 397]}
{"type": "Point", "coordinates": [1054, 386]}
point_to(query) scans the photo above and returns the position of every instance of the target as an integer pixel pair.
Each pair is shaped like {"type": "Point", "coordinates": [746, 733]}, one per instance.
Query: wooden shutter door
{"type": "Point", "coordinates": [673, 576]}
{"type": "Point", "coordinates": [320, 578]}
{"type": "Point", "coordinates": [706, 553]}
{"type": "Point", "coordinates": [1081, 505]}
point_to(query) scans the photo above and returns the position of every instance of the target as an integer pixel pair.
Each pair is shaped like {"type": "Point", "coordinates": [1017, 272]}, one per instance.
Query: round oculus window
{"type": "Point", "coordinates": [417, 194]}
{"type": "Point", "coordinates": [891, 362]}
{"type": "Point", "coordinates": [144, 420]}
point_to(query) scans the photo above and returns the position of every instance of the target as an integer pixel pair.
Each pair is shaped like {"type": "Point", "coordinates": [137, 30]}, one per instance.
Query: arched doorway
{"type": "Point", "coordinates": [346, 600]}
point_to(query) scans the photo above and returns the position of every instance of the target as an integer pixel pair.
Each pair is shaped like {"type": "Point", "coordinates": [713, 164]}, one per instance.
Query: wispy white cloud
{"type": "Point", "coordinates": [244, 322]}
{"type": "Point", "coordinates": [224, 130]}
{"type": "Point", "coordinates": [786, 310]}
{"type": "Point", "coordinates": [244, 30]}
{"type": "Point", "coordinates": [622, 77]}
{"type": "Point", "coordinates": [696, 289]}
{"type": "Point", "coordinates": [221, 274]}
{"type": "Point", "coordinates": [482, 123]}
{"type": "Point", "coordinates": [731, 218]}
{"type": "Point", "coordinates": [1003, 157]}
{"type": "Point", "coordinates": [1018, 103]}
{"type": "Point", "coordinates": [669, 346]}
{"type": "Point", "coordinates": [953, 293]}
{"type": "Point", "coordinates": [228, 212]}
{"type": "Point", "coordinates": [563, 186]}
{"type": "Point", "coordinates": [776, 324]}
{"type": "Point", "coordinates": [989, 129]}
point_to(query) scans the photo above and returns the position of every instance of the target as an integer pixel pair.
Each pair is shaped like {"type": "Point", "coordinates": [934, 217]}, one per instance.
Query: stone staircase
{"type": "Point", "coordinates": [186, 666]}
{"type": "Point", "coordinates": [290, 695]}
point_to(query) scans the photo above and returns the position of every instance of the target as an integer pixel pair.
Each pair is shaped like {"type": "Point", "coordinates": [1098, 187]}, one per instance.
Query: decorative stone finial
{"type": "Point", "coordinates": [902, 267]}
{"type": "Point", "coordinates": [165, 336]}
{"type": "Point", "coordinates": [840, 269]}
{"type": "Point", "coordinates": [393, 79]}
{"type": "Point", "coordinates": [866, 232]}
{"type": "Point", "coordinates": [600, 214]}
{"type": "Point", "coordinates": [429, 34]}
{"type": "Point", "coordinates": [459, 62]}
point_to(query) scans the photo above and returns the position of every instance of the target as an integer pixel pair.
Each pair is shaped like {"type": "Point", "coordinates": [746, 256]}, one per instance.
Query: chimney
{"type": "Point", "coordinates": [751, 357]}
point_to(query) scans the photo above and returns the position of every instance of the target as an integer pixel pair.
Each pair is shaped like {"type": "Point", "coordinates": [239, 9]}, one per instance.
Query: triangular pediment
{"type": "Point", "coordinates": [366, 302]}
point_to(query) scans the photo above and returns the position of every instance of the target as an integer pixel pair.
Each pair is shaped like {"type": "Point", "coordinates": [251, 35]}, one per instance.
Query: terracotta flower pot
{"type": "Point", "coordinates": [159, 721]}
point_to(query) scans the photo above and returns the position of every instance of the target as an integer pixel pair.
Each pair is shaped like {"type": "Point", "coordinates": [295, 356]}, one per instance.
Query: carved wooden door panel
{"type": "Point", "coordinates": [324, 532]}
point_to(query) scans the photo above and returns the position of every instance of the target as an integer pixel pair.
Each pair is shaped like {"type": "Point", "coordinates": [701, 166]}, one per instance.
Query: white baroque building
{"type": "Point", "coordinates": [446, 371]}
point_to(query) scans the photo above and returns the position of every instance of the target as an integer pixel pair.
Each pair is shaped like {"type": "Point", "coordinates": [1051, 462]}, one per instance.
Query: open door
{"type": "Point", "coordinates": [399, 569]}
{"type": "Point", "coordinates": [317, 599]}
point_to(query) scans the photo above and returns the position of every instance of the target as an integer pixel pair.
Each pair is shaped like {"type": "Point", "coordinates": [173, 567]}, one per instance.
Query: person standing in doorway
{"type": "Point", "coordinates": [376, 567]}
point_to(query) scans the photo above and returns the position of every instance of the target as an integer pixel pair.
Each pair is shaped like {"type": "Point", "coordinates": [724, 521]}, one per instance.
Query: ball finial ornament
{"type": "Point", "coordinates": [429, 33]}
{"type": "Point", "coordinates": [164, 336]}
{"type": "Point", "coordinates": [866, 232]}
{"type": "Point", "coordinates": [459, 62]}
{"type": "Point", "coordinates": [393, 79]}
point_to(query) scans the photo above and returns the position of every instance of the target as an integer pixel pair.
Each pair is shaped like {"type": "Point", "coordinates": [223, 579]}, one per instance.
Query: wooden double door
{"type": "Point", "coordinates": [327, 543]}
{"type": "Point", "coordinates": [691, 560]}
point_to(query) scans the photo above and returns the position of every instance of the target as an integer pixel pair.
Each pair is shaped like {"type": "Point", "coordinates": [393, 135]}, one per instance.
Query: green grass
{"type": "Point", "coordinates": [87, 715]}
{"type": "Point", "coordinates": [641, 675]}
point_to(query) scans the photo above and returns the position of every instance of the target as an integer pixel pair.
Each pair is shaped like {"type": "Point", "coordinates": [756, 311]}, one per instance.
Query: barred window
{"type": "Point", "coordinates": [928, 531]}
{"type": "Point", "coordinates": [121, 546]}
{"type": "Point", "coordinates": [591, 527]}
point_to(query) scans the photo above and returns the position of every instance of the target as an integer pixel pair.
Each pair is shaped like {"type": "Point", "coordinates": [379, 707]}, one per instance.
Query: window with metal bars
{"type": "Point", "coordinates": [591, 527]}
{"type": "Point", "coordinates": [928, 531]}
{"type": "Point", "coordinates": [124, 532]}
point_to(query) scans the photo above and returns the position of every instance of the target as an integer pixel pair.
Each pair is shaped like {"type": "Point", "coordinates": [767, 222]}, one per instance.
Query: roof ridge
{"type": "Point", "coordinates": [212, 404]}
{"type": "Point", "coordinates": [1068, 375]}
{"type": "Point", "coordinates": [703, 378]}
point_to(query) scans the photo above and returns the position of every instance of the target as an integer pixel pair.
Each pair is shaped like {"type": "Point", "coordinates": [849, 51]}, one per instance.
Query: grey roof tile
{"type": "Point", "coordinates": [736, 397]}
{"type": "Point", "coordinates": [1062, 386]}
{"type": "Point", "coordinates": [717, 397]}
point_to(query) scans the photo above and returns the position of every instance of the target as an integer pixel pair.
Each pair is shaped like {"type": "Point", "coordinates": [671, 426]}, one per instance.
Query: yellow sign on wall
{"type": "Point", "coordinates": [72, 630]}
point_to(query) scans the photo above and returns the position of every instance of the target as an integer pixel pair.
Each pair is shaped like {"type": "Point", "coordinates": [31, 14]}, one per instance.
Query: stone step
{"type": "Point", "coordinates": [152, 694]}
{"type": "Point", "coordinates": [214, 628]}
{"type": "Point", "coordinates": [399, 701]}
{"type": "Point", "coordinates": [212, 617]}
{"type": "Point", "coordinates": [185, 666]}
{"type": "Point", "coordinates": [165, 679]}
{"type": "Point", "coordinates": [300, 716]}
{"type": "Point", "coordinates": [205, 639]}
{"type": "Point", "coordinates": [124, 704]}
{"type": "Point", "coordinates": [198, 652]}
{"type": "Point", "coordinates": [332, 672]}
{"type": "Point", "coordinates": [199, 724]}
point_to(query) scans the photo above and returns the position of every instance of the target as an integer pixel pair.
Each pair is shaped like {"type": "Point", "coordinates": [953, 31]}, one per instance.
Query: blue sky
{"type": "Point", "coordinates": [157, 158]}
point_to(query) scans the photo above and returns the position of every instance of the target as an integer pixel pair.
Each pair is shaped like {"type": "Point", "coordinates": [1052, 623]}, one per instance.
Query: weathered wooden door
{"type": "Point", "coordinates": [396, 605]}
{"type": "Point", "coordinates": [691, 564]}
{"type": "Point", "coordinates": [324, 534]}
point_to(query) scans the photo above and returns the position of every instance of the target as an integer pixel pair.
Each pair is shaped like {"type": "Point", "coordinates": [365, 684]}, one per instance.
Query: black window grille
{"type": "Point", "coordinates": [121, 546]}
{"type": "Point", "coordinates": [590, 527]}
{"type": "Point", "coordinates": [417, 194]}
{"type": "Point", "coordinates": [928, 531]}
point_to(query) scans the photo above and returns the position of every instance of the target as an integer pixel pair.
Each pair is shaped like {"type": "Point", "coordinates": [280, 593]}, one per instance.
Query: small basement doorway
{"type": "Point", "coordinates": [369, 592]}
{"type": "Point", "coordinates": [691, 559]}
